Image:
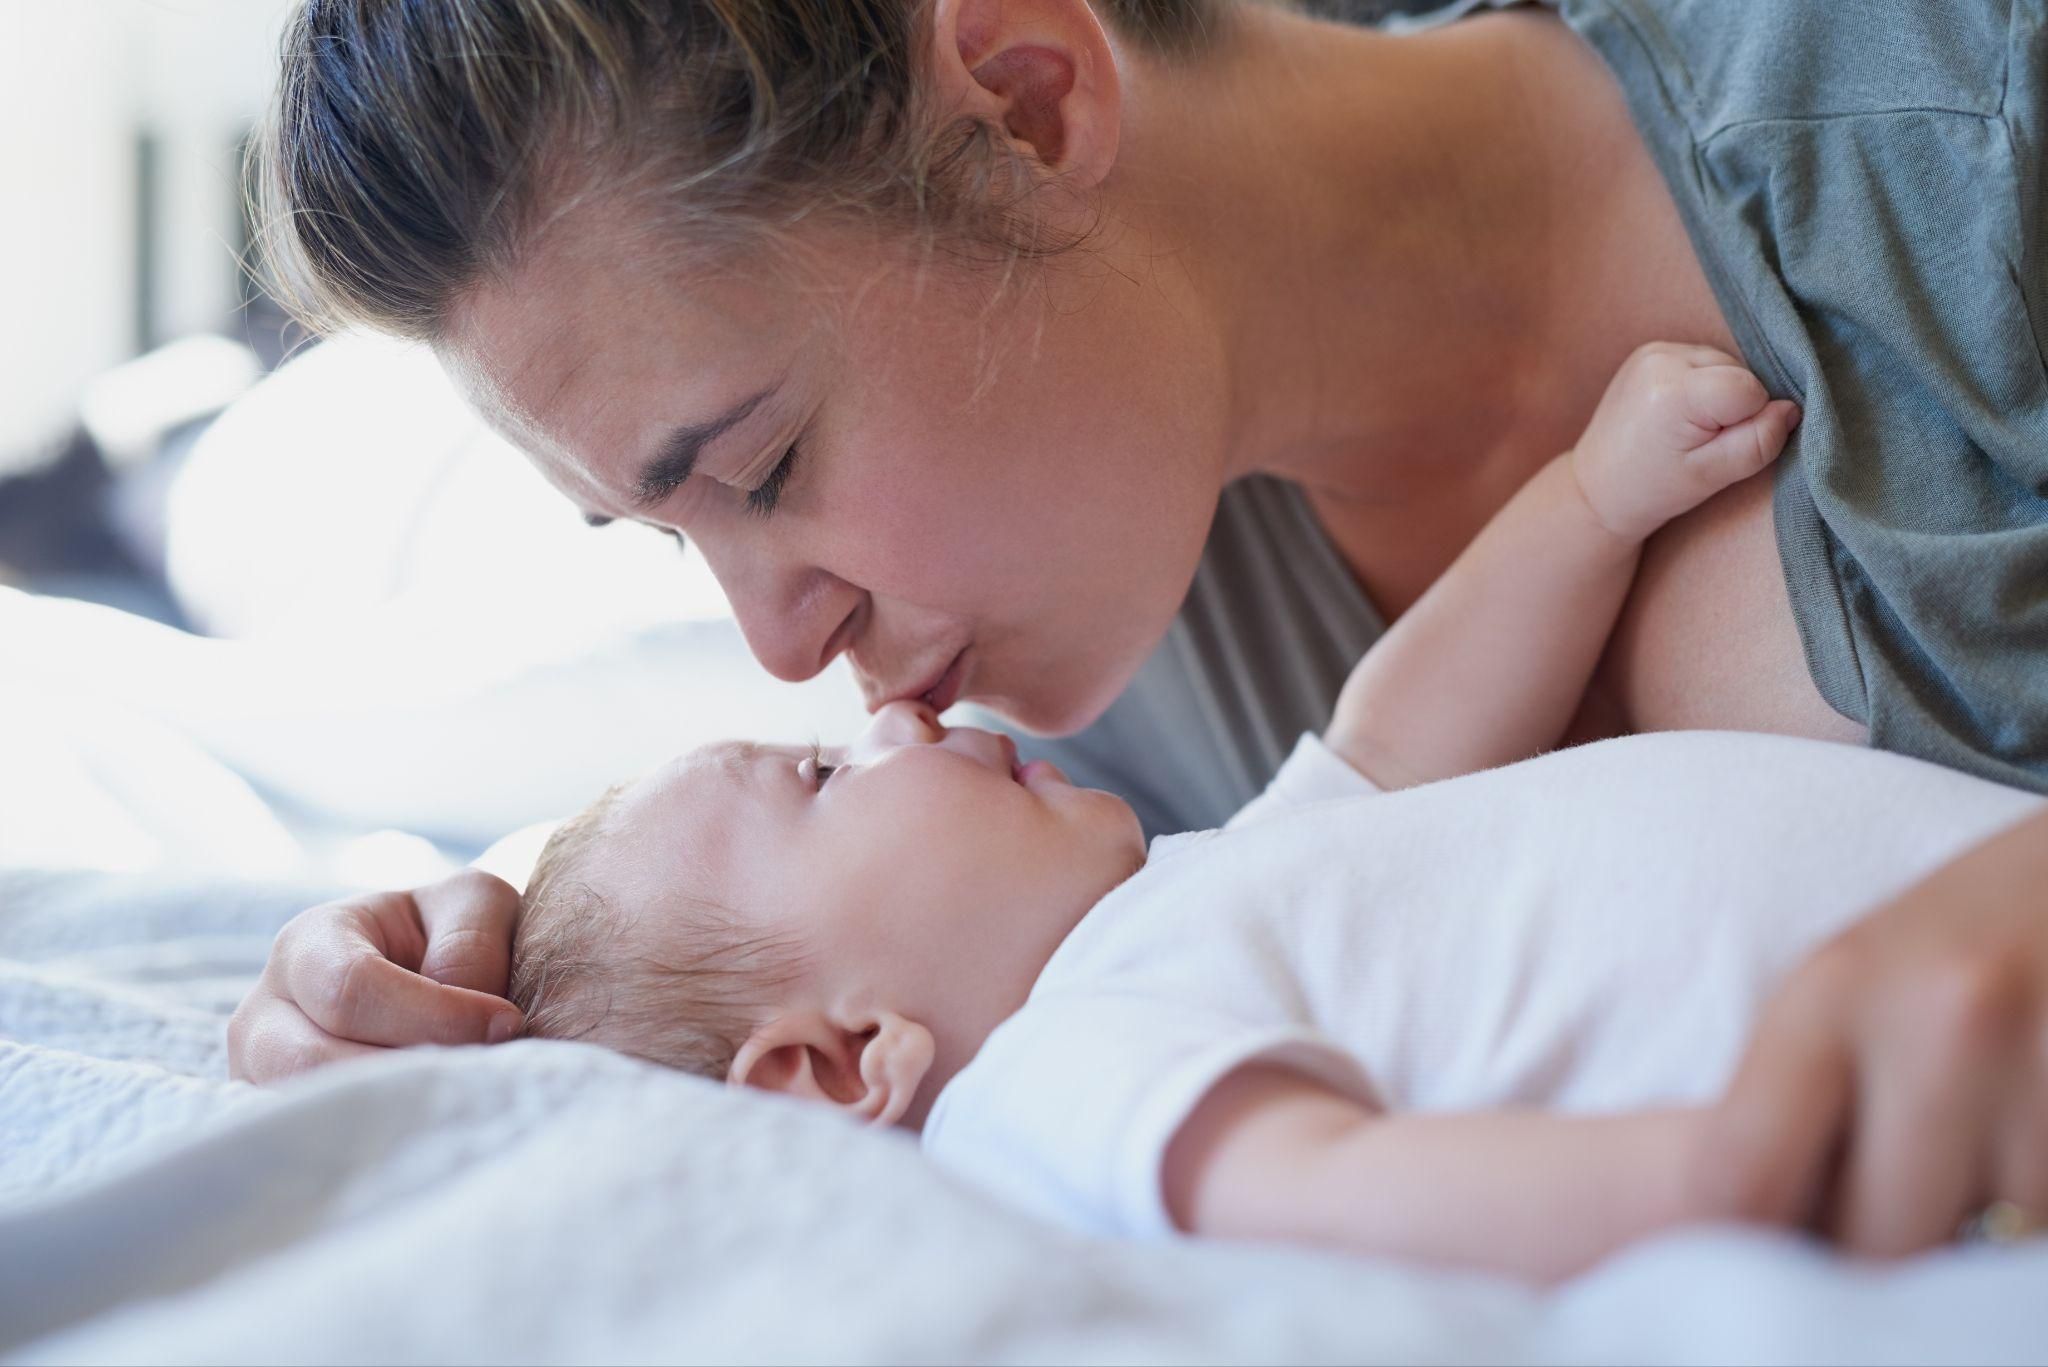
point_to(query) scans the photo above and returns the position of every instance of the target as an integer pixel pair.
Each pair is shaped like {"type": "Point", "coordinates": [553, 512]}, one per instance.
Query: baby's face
{"type": "Point", "coordinates": [919, 866]}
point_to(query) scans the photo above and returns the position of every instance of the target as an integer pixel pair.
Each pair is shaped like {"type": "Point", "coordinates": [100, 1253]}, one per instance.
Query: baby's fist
{"type": "Point", "coordinates": [1677, 425]}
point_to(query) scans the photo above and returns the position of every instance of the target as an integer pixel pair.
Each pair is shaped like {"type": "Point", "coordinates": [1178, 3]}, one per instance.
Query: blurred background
{"type": "Point", "coordinates": [123, 232]}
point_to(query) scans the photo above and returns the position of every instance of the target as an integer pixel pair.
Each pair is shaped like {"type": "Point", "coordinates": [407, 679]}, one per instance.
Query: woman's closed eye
{"type": "Point", "coordinates": [763, 497]}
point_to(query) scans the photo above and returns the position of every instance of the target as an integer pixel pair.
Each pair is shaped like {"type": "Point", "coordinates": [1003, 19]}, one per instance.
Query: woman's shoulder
{"type": "Point", "coordinates": [1790, 61]}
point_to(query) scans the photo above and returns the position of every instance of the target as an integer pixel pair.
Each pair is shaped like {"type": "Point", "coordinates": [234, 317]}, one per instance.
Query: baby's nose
{"type": "Point", "coordinates": [908, 722]}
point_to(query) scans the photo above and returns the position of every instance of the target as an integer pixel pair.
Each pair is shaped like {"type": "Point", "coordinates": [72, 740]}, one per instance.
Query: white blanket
{"type": "Point", "coordinates": [550, 1202]}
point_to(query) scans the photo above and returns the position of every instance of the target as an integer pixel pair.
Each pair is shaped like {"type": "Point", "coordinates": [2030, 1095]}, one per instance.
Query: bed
{"type": "Point", "coordinates": [168, 800]}
{"type": "Point", "coordinates": [553, 1202]}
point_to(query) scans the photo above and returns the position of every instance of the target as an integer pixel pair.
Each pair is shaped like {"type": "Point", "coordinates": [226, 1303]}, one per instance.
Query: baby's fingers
{"type": "Point", "coordinates": [1746, 447]}
{"type": "Point", "coordinates": [1717, 396]}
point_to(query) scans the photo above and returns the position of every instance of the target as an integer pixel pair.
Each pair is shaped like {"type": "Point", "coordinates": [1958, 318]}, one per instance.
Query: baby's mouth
{"type": "Point", "coordinates": [1041, 771]}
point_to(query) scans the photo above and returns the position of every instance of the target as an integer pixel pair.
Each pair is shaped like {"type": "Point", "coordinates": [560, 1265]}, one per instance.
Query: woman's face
{"type": "Point", "coordinates": [998, 503]}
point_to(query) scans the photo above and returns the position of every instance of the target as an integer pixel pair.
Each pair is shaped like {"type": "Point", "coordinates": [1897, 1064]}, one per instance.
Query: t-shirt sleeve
{"type": "Point", "coordinates": [1068, 1109]}
{"type": "Point", "coordinates": [1313, 773]}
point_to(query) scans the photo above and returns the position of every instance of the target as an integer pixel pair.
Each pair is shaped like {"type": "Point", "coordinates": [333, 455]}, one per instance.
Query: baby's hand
{"type": "Point", "coordinates": [1677, 425]}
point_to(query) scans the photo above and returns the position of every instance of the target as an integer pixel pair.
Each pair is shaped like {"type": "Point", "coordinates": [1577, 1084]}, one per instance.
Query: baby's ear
{"type": "Point", "coordinates": [896, 1059]}
{"type": "Point", "coordinates": [869, 1068]}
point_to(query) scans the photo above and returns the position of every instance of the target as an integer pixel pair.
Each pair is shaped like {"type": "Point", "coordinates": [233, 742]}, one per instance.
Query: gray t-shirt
{"type": "Point", "coordinates": [1862, 182]}
{"type": "Point", "coordinates": [1269, 631]}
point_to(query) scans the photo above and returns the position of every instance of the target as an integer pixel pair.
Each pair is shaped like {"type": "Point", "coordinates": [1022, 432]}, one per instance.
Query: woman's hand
{"type": "Point", "coordinates": [1898, 1083]}
{"type": "Point", "coordinates": [381, 970]}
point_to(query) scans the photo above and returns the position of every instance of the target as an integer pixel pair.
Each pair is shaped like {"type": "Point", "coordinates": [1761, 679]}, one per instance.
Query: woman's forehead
{"type": "Point", "coordinates": [543, 348]}
{"type": "Point", "coordinates": [598, 301]}
{"type": "Point", "coordinates": [596, 404]}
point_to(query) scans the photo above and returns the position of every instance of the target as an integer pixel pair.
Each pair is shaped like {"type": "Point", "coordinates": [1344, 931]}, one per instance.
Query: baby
{"type": "Point", "coordinates": [1462, 1022]}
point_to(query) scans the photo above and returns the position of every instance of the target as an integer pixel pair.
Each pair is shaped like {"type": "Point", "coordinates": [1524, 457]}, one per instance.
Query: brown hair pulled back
{"type": "Point", "coordinates": [415, 146]}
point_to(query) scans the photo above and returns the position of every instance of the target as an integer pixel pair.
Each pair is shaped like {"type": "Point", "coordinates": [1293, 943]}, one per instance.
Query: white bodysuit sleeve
{"type": "Point", "coordinates": [1069, 1107]}
{"type": "Point", "coordinates": [1313, 773]}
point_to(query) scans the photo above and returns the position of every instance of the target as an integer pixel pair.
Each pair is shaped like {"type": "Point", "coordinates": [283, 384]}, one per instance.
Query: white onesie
{"type": "Point", "coordinates": [1592, 930]}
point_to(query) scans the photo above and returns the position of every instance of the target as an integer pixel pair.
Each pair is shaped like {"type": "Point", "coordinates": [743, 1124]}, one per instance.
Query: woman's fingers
{"type": "Point", "coordinates": [469, 919]}
{"type": "Point", "coordinates": [2020, 1170]}
{"type": "Point", "coordinates": [1776, 1136]}
{"type": "Point", "coordinates": [333, 963]}
{"type": "Point", "coordinates": [270, 1040]}
{"type": "Point", "coordinates": [340, 981]}
{"type": "Point", "coordinates": [1932, 1014]}
{"type": "Point", "coordinates": [1915, 1169]}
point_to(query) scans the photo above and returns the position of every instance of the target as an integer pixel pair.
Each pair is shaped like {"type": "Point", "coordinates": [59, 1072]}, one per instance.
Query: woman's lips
{"type": "Point", "coordinates": [946, 691]}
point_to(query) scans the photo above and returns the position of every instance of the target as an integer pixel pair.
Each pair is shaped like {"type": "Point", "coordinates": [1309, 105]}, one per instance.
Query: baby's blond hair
{"type": "Point", "coordinates": [577, 972]}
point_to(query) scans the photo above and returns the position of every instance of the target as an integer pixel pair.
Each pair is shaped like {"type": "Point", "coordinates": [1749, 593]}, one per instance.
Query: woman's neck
{"type": "Point", "coordinates": [1391, 236]}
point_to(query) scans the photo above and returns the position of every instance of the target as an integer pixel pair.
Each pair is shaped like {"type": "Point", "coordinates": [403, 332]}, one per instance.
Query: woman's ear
{"type": "Point", "coordinates": [1042, 71]}
{"type": "Point", "coordinates": [869, 1068]}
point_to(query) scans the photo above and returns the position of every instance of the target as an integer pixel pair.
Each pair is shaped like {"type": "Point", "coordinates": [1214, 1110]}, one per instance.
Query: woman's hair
{"type": "Point", "coordinates": [415, 147]}
{"type": "Point", "coordinates": [681, 985]}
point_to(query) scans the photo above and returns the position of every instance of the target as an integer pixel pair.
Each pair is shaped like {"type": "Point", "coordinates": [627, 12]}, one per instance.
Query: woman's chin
{"type": "Point", "coordinates": [1053, 716]}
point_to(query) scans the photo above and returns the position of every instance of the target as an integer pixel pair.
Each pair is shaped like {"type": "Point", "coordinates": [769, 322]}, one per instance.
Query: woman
{"type": "Point", "coordinates": [1122, 371]}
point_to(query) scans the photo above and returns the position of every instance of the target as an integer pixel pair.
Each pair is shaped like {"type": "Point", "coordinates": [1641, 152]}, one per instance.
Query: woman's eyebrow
{"type": "Point", "coordinates": [676, 457]}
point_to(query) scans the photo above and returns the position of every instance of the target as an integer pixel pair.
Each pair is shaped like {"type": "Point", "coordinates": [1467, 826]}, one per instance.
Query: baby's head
{"type": "Point", "coordinates": [846, 925]}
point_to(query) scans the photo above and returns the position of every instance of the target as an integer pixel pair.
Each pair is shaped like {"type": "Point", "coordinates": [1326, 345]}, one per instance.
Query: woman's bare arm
{"type": "Point", "coordinates": [1707, 639]}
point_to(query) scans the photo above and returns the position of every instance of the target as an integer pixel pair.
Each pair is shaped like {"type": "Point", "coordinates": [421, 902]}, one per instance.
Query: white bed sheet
{"type": "Point", "coordinates": [551, 1202]}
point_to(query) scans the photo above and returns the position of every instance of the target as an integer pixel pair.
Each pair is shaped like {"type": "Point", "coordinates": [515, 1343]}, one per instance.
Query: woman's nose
{"type": "Point", "coordinates": [909, 721]}
{"type": "Point", "coordinates": [795, 623]}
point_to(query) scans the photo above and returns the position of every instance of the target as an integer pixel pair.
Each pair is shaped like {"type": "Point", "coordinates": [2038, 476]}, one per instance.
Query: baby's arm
{"type": "Point", "coordinates": [1491, 664]}
{"type": "Point", "coordinates": [1273, 1155]}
